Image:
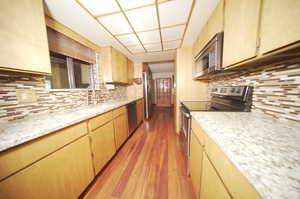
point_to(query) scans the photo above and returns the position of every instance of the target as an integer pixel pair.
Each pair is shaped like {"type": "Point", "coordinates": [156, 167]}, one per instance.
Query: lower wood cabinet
{"type": "Point", "coordinates": [140, 110]}
{"type": "Point", "coordinates": [195, 163]}
{"type": "Point", "coordinates": [63, 174]}
{"type": "Point", "coordinates": [121, 129]}
{"type": "Point", "coordinates": [103, 145]}
{"type": "Point", "coordinates": [212, 186]}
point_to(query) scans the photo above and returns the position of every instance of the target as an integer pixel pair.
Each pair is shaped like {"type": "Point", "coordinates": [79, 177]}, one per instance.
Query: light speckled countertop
{"type": "Point", "coordinates": [265, 150]}
{"type": "Point", "coordinates": [20, 131]}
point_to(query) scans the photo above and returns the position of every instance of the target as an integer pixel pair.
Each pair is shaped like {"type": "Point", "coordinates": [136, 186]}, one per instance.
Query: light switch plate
{"type": "Point", "coordinates": [26, 96]}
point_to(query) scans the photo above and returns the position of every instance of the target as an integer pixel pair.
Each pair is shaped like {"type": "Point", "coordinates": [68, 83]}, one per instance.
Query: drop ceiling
{"type": "Point", "coordinates": [144, 30]}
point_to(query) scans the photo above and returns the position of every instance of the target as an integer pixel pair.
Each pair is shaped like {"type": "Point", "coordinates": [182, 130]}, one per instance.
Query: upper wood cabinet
{"type": "Point", "coordinates": [130, 71]}
{"type": "Point", "coordinates": [103, 145]}
{"type": "Point", "coordinates": [113, 65]}
{"type": "Point", "coordinates": [212, 186]}
{"type": "Point", "coordinates": [63, 174]}
{"type": "Point", "coordinates": [280, 24]}
{"type": "Point", "coordinates": [23, 36]}
{"type": "Point", "coordinates": [240, 30]}
{"type": "Point", "coordinates": [212, 27]}
{"type": "Point", "coordinates": [195, 163]}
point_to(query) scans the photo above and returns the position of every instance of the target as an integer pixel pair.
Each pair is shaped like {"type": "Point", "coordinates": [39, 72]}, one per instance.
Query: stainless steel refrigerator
{"type": "Point", "coordinates": [147, 94]}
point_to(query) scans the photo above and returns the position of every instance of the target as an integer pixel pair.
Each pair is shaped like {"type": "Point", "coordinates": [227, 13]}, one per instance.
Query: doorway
{"type": "Point", "coordinates": [163, 92]}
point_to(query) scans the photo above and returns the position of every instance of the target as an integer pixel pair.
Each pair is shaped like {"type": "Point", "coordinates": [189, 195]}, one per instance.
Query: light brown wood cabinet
{"type": "Point", "coordinates": [195, 162]}
{"type": "Point", "coordinates": [17, 158]}
{"type": "Point", "coordinates": [211, 28]}
{"type": "Point", "coordinates": [140, 110]}
{"type": "Point", "coordinates": [103, 145]}
{"type": "Point", "coordinates": [23, 37]}
{"type": "Point", "coordinates": [240, 30]}
{"type": "Point", "coordinates": [63, 174]}
{"type": "Point", "coordinates": [212, 186]}
{"type": "Point", "coordinates": [280, 24]}
{"type": "Point", "coordinates": [113, 65]}
{"type": "Point", "coordinates": [130, 71]}
{"type": "Point", "coordinates": [121, 129]}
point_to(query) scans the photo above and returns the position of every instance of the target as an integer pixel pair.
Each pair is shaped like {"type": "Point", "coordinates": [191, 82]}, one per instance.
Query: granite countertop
{"type": "Point", "coordinates": [265, 150]}
{"type": "Point", "coordinates": [20, 131]}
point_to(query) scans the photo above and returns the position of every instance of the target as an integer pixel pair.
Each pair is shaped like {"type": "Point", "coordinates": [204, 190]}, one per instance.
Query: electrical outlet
{"type": "Point", "coordinates": [26, 96]}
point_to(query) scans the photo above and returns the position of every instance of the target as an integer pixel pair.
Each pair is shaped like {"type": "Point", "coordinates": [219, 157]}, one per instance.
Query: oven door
{"type": "Point", "coordinates": [185, 130]}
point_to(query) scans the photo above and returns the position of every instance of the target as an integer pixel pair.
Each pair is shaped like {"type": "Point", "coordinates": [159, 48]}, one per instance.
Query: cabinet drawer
{"type": "Point", "coordinates": [21, 156]}
{"type": "Point", "coordinates": [119, 111]}
{"type": "Point", "coordinates": [237, 184]}
{"type": "Point", "coordinates": [198, 131]}
{"type": "Point", "coordinates": [99, 120]}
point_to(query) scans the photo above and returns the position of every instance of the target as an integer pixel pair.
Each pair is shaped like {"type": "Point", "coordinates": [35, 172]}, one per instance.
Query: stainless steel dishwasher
{"type": "Point", "coordinates": [132, 120]}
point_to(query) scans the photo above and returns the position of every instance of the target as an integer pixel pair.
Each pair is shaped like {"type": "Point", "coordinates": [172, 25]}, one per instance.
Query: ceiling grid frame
{"type": "Point", "coordinates": [83, 7]}
{"type": "Point", "coordinates": [156, 4]}
{"type": "Point", "coordinates": [124, 14]}
{"type": "Point", "coordinates": [159, 26]}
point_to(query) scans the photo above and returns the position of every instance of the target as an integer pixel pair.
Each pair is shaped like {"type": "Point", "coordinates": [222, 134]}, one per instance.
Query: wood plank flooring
{"type": "Point", "coordinates": [150, 165]}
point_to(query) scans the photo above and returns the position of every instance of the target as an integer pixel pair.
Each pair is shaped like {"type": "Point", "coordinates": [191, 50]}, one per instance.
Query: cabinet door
{"type": "Point", "coordinates": [280, 24]}
{"type": "Point", "coordinates": [139, 111]}
{"type": "Point", "coordinates": [212, 187]}
{"type": "Point", "coordinates": [123, 69]}
{"type": "Point", "coordinates": [130, 71]}
{"type": "Point", "coordinates": [240, 30]}
{"type": "Point", "coordinates": [195, 163]}
{"type": "Point", "coordinates": [103, 145]}
{"type": "Point", "coordinates": [23, 36]}
{"type": "Point", "coordinates": [121, 130]}
{"type": "Point", "coordinates": [63, 174]}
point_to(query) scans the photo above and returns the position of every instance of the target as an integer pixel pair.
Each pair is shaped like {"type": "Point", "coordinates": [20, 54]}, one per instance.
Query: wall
{"type": "Point", "coordinates": [49, 100]}
{"type": "Point", "coordinates": [276, 88]}
{"type": "Point", "coordinates": [186, 88]}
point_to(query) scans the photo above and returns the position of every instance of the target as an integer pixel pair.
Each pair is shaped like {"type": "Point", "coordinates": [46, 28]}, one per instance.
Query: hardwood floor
{"type": "Point", "coordinates": [149, 165]}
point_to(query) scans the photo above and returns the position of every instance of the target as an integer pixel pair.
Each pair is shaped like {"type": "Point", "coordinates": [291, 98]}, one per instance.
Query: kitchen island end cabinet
{"type": "Point", "coordinates": [63, 174]}
{"type": "Point", "coordinates": [23, 37]}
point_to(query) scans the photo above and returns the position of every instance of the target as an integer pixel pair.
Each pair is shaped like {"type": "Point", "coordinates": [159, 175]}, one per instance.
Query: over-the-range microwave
{"type": "Point", "coordinates": [209, 59]}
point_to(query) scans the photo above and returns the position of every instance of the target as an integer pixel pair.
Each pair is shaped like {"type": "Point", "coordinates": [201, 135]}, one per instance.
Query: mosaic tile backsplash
{"type": "Point", "coordinates": [276, 88]}
{"type": "Point", "coordinates": [49, 100]}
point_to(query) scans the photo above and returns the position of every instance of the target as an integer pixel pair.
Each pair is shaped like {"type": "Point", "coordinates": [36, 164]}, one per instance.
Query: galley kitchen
{"type": "Point", "coordinates": [149, 99]}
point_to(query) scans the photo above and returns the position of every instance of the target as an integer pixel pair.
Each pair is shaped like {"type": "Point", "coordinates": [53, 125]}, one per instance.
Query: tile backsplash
{"type": "Point", "coordinates": [276, 88]}
{"type": "Point", "coordinates": [49, 100]}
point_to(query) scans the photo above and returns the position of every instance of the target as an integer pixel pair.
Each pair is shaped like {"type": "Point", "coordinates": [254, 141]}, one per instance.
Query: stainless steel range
{"type": "Point", "coordinates": [233, 98]}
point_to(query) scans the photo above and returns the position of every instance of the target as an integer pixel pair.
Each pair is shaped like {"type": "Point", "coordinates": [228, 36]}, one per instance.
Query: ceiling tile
{"type": "Point", "coordinates": [153, 47]}
{"type": "Point", "coordinates": [172, 33]}
{"type": "Point", "coordinates": [136, 49]}
{"type": "Point", "coordinates": [129, 39]}
{"type": "Point", "coordinates": [116, 23]}
{"type": "Point", "coordinates": [143, 18]}
{"type": "Point", "coordinates": [97, 7]}
{"type": "Point", "coordinates": [127, 4]}
{"type": "Point", "coordinates": [171, 44]}
{"type": "Point", "coordinates": [174, 12]}
{"type": "Point", "coordinates": [149, 37]}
